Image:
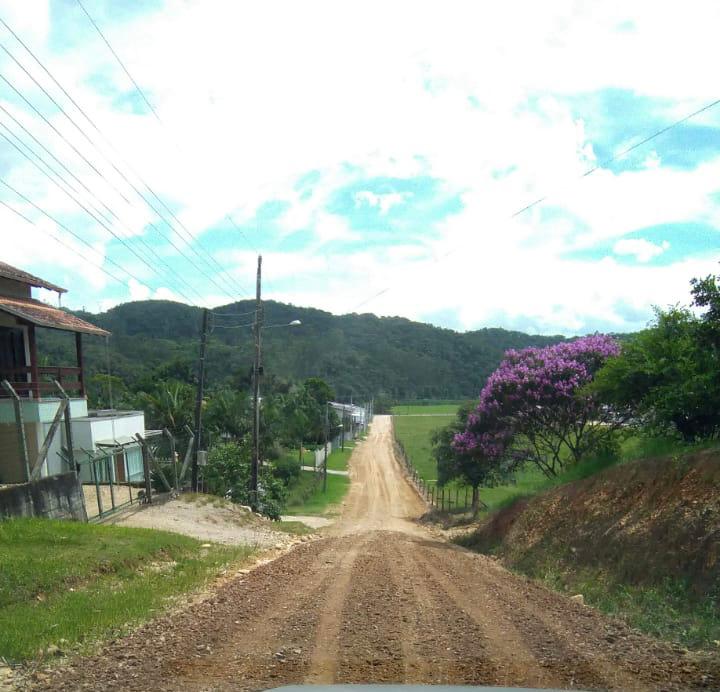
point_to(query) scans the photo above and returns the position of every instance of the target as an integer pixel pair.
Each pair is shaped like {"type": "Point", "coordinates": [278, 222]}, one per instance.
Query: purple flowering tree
{"type": "Point", "coordinates": [535, 406]}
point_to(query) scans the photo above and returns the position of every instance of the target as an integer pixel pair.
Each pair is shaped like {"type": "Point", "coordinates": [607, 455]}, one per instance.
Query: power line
{"type": "Point", "coordinates": [244, 235]}
{"type": "Point", "coordinates": [120, 62]}
{"type": "Point", "coordinates": [139, 90]}
{"type": "Point", "coordinates": [586, 174]}
{"type": "Point", "coordinates": [187, 233]}
{"type": "Point", "coordinates": [94, 144]}
{"type": "Point", "coordinates": [61, 242]}
{"type": "Point", "coordinates": [55, 182]}
{"type": "Point", "coordinates": [68, 230]}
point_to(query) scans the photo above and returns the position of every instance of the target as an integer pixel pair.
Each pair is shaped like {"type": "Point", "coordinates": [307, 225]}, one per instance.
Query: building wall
{"type": "Point", "coordinates": [12, 469]}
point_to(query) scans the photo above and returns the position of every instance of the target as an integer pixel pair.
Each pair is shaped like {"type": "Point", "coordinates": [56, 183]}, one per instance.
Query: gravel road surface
{"type": "Point", "coordinates": [380, 599]}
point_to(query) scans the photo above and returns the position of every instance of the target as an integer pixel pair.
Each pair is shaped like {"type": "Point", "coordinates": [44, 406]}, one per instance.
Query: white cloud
{"type": "Point", "coordinates": [384, 201]}
{"type": "Point", "coordinates": [642, 250]}
{"type": "Point", "coordinates": [458, 92]}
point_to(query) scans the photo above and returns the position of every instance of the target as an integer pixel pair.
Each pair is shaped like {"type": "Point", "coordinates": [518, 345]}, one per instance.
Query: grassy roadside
{"type": "Point", "coordinates": [69, 584]}
{"type": "Point", "coordinates": [306, 496]}
{"type": "Point", "coordinates": [669, 610]}
{"type": "Point", "coordinates": [338, 458]}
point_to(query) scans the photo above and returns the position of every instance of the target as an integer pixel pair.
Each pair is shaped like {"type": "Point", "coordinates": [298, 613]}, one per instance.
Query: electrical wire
{"type": "Point", "coordinates": [120, 62]}
{"type": "Point", "coordinates": [142, 94]}
{"type": "Point", "coordinates": [140, 239]}
{"type": "Point", "coordinates": [64, 244]}
{"type": "Point", "coordinates": [586, 174]}
{"type": "Point", "coordinates": [189, 236]}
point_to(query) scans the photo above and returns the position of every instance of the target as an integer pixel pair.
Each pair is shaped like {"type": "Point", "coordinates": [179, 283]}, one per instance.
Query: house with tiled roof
{"type": "Point", "coordinates": [45, 424]}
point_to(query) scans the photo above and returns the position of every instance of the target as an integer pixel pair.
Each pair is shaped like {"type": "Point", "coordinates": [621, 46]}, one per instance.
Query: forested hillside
{"type": "Point", "coordinates": [362, 355]}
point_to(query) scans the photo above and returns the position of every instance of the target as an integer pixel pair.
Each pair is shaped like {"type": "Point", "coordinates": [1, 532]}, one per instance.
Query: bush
{"type": "Point", "coordinates": [286, 469]}
{"type": "Point", "coordinates": [228, 474]}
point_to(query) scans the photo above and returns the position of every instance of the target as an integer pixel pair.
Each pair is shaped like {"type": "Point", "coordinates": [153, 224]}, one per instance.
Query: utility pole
{"type": "Point", "coordinates": [327, 423]}
{"type": "Point", "coordinates": [199, 400]}
{"type": "Point", "coordinates": [257, 327]}
{"type": "Point", "coordinates": [342, 444]}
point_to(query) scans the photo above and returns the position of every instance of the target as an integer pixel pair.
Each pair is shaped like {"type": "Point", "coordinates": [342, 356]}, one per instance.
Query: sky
{"type": "Point", "coordinates": [375, 153]}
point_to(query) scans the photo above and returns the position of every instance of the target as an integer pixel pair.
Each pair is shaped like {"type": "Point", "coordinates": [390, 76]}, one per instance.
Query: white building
{"type": "Point", "coordinates": [39, 399]}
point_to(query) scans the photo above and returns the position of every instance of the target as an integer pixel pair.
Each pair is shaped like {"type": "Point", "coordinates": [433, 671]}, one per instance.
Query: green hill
{"type": "Point", "coordinates": [358, 354]}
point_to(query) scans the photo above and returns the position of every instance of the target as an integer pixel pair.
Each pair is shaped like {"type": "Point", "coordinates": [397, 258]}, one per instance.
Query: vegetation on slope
{"type": "Point", "coordinates": [640, 540]}
{"type": "Point", "coordinates": [358, 354]}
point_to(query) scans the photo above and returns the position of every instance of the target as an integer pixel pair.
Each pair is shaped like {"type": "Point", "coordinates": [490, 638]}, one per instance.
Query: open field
{"type": "Point", "coordinates": [415, 432]}
{"type": "Point", "coordinates": [433, 409]}
{"type": "Point", "coordinates": [65, 583]}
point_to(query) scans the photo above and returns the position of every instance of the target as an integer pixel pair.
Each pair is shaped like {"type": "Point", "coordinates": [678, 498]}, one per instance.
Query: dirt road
{"type": "Point", "coordinates": [380, 600]}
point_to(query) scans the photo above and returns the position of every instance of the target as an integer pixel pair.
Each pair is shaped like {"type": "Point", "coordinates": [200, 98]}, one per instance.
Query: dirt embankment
{"type": "Point", "coordinates": [644, 522]}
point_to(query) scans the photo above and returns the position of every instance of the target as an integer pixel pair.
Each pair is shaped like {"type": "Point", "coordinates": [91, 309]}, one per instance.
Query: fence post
{"type": "Point", "coordinates": [173, 456]}
{"type": "Point", "coordinates": [97, 485]}
{"type": "Point", "coordinates": [68, 429]}
{"type": "Point", "coordinates": [442, 499]}
{"type": "Point", "coordinates": [146, 469]}
{"type": "Point", "coordinates": [466, 494]}
{"type": "Point", "coordinates": [110, 474]}
{"type": "Point", "coordinates": [127, 476]}
{"type": "Point", "coordinates": [457, 494]}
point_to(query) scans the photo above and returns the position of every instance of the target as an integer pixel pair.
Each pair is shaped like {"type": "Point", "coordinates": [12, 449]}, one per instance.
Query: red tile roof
{"type": "Point", "coordinates": [9, 272]}
{"type": "Point", "coordinates": [43, 315]}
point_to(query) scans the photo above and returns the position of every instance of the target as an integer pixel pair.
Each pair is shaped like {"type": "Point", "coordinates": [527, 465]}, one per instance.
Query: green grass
{"type": "Point", "coordinates": [402, 410]}
{"type": "Point", "coordinates": [669, 611]}
{"type": "Point", "coordinates": [338, 458]}
{"type": "Point", "coordinates": [306, 496]}
{"type": "Point", "coordinates": [295, 528]}
{"type": "Point", "coordinates": [83, 582]}
{"type": "Point", "coordinates": [415, 433]}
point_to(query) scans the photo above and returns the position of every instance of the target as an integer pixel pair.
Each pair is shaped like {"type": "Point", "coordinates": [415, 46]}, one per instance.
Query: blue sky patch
{"type": "Point", "coordinates": [674, 242]}
{"type": "Point", "coordinates": [398, 207]}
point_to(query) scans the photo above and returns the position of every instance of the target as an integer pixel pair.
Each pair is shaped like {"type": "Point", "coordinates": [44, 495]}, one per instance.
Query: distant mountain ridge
{"type": "Point", "coordinates": [359, 354]}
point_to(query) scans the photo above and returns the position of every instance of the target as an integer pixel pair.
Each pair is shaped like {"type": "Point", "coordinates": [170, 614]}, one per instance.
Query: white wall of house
{"type": "Point", "coordinates": [88, 431]}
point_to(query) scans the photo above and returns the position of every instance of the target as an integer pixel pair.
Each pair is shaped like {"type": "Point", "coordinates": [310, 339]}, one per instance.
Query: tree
{"type": "Point", "coordinates": [535, 407]}
{"type": "Point", "coordinates": [706, 295]}
{"type": "Point", "coordinates": [472, 467]}
{"type": "Point", "coordinates": [229, 414]}
{"type": "Point", "coordinates": [169, 405]}
{"type": "Point", "coordinates": [668, 376]}
{"type": "Point", "coordinates": [228, 474]}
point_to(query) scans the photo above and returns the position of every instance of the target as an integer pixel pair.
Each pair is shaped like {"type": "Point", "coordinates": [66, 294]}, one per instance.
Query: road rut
{"type": "Point", "coordinates": [379, 599]}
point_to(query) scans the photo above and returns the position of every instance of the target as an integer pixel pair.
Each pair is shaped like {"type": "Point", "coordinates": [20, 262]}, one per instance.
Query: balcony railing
{"type": "Point", "coordinates": [38, 382]}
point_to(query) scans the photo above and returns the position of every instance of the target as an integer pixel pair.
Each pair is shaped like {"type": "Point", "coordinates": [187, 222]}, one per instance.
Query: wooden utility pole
{"type": "Point", "coordinates": [257, 327]}
{"type": "Point", "coordinates": [198, 401]}
{"type": "Point", "coordinates": [327, 423]}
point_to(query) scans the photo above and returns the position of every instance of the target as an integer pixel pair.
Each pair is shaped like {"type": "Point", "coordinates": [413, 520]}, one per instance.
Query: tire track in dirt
{"type": "Point", "coordinates": [324, 658]}
{"type": "Point", "coordinates": [371, 635]}
{"type": "Point", "coordinates": [435, 637]}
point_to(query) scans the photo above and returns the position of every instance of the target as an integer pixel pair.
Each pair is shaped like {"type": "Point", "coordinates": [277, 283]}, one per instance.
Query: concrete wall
{"type": "Point", "coordinates": [55, 497]}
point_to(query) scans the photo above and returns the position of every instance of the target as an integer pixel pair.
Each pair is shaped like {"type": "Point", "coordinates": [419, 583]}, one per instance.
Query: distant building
{"type": "Point", "coordinates": [20, 365]}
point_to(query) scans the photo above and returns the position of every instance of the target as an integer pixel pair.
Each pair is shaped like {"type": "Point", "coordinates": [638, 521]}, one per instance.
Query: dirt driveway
{"type": "Point", "coordinates": [380, 600]}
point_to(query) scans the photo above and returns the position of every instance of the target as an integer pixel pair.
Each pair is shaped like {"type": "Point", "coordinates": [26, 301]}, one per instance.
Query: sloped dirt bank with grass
{"type": "Point", "coordinates": [640, 540]}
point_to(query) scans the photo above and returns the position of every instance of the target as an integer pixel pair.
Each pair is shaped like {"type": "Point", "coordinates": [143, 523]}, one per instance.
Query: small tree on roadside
{"type": "Point", "coordinates": [535, 407]}
{"type": "Point", "coordinates": [472, 467]}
